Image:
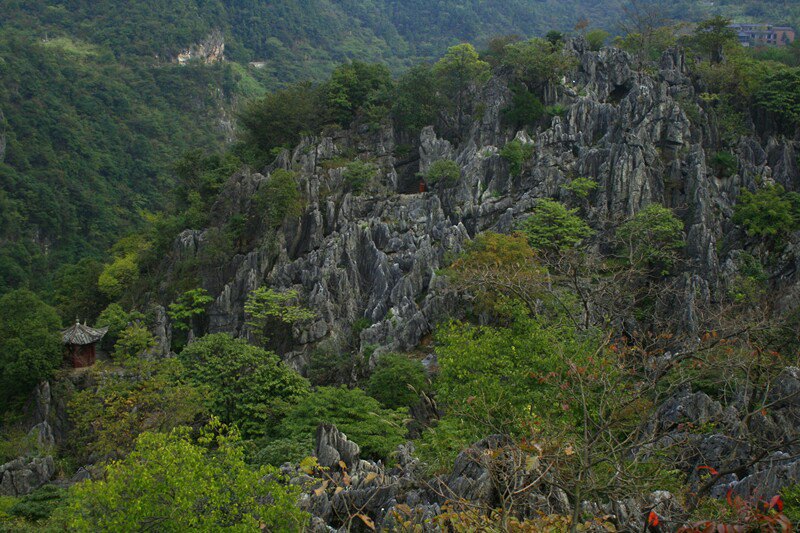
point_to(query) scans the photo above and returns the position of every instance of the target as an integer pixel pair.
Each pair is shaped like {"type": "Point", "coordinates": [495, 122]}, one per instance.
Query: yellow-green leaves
{"type": "Point", "coordinates": [171, 483]}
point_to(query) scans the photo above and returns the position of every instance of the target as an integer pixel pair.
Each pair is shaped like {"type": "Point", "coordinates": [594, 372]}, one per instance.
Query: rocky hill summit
{"type": "Point", "coordinates": [373, 255]}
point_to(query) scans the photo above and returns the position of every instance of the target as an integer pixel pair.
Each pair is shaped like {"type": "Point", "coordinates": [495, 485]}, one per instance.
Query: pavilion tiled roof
{"type": "Point", "coordinates": [82, 334]}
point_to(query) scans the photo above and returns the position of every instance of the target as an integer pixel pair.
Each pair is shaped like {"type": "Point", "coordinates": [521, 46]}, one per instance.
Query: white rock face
{"type": "Point", "coordinates": [209, 50]}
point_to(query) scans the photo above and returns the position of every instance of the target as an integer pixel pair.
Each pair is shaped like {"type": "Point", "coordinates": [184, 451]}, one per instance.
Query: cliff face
{"type": "Point", "coordinates": [376, 255]}
{"type": "Point", "coordinates": [209, 50]}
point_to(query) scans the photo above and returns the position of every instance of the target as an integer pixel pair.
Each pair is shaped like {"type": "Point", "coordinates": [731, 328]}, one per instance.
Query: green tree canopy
{"type": "Point", "coordinates": [525, 108]}
{"type": "Point", "coordinates": [444, 172]}
{"type": "Point", "coordinates": [145, 396]}
{"type": "Point", "coordinates": [516, 153]}
{"type": "Point", "coordinates": [712, 37]}
{"type": "Point", "coordinates": [76, 294]}
{"type": "Point", "coordinates": [416, 101]}
{"type": "Point", "coordinates": [596, 39]}
{"type": "Point", "coordinates": [266, 309]}
{"type": "Point", "coordinates": [30, 347]}
{"type": "Point", "coordinates": [652, 238]}
{"type": "Point", "coordinates": [173, 483]}
{"type": "Point", "coordinates": [134, 341]}
{"type": "Point", "coordinates": [278, 199]}
{"type": "Point", "coordinates": [249, 386]}
{"type": "Point", "coordinates": [769, 212]}
{"type": "Point", "coordinates": [537, 61]}
{"type": "Point", "coordinates": [188, 306]}
{"type": "Point", "coordinates": [376, 430]}
{"type": "Point", "coordinates": [355, 87]}
{"type": "Point", "coordinates": [502, 377]}
{"type": "Point", "coordinates": [116, 319]}
{"type": "Point", "coordinates": [779, 93]}
{"type": "Point", "coordinates": [554, 228]}
{"type": "Point", "coordinates": [279, 119]}
{"type": "Point", "coordinates": [397, 381]}
{"type": "Point", "coordinates": [459, 71]}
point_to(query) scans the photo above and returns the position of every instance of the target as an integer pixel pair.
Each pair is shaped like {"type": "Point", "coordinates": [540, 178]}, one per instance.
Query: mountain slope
{"type": "Point", "coordinates": [95, 110]}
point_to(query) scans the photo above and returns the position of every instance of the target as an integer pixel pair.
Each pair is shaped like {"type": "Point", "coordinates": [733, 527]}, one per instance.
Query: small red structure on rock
{"type": "Point", "coordinates": [80, 341]}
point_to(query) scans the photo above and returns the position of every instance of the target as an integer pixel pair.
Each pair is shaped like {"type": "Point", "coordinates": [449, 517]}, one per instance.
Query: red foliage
{"type": "Point", "coordinates": [762, 516]}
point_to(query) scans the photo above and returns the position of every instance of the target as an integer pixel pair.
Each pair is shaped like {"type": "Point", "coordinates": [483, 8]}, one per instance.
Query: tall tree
{"type": "Point", "coordinates": [459, 71]}
{"type": "Point", "coordinates": [30, 349]}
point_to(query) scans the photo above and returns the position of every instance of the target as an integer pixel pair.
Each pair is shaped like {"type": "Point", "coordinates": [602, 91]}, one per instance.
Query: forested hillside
{"type": "Point", "coordinates": [94, 112]}
{"type": "Point", "coordinates": [535, 284]}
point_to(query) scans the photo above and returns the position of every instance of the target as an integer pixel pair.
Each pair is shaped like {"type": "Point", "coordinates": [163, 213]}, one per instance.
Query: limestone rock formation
{"type": "Point", "coordinates": [22, 476]}
{"type": "Point", "coordinates": [209, 50]}
{"type": "Point", "coordinates": [403, 495]}
{"type": "Point", "coordinates": [375, 255]}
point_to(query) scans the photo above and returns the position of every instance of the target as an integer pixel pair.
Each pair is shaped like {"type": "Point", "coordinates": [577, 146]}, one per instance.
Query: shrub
{"type": "Point", "coordinates": [38, 505]}
{"type": "Point", "coordinates": [278, 199]}
{"type": "Point", "coordinates": [791, 500]}
{"type": "Point", "coordinates": [516, 153]}
{"type": "Point", "coordinates": [749, 284]}
{"type": "Point", "coordinates": [596, 39]}
{"type": "Point", "coordinates": [116, 319]}
{"type": "Point", "coordinates": [281, 450]}
{"type": "Point", "coordinates": [556, 110]}
{"type": "Point", "coordinates": [248, 386]}
{"type": "Point", "coordinates": [266, 309]}
{"type": "Point", "coordinates": [134, 341]}
{"type": "Point", "coordinates": [554, 228]}
{"type": "Point", "coordinates": [397, 381]}
{"type": "Point", "coordinates": [30, 347]}
{"type": "Point", "coordinates": [358, 175]}
{"type": "Point", "coordinates": [491, 376]}
{"type": "Point", "coordinates": [146, 396]}
{"type": "Point", "coordinates": [769, 212]}
{"type": "Point", "coordinates": [187, 307]}
{"type": "Point", "coordinates": [376, 430]}
{"type": "Point", "coordinates": [724, 164]}
{"type": "Point", "coordinates": [181, 485]}
{"type": "Point", "coordinates": [581, 187]}
{"type": "Point", "coordinates": [443, 171]}
{"type": "Point", "coordinates": [525, 108]}
{"type": "Point", "coordinates": [440, 444]}
{"type": "Point", "coordinates": [652, 238]}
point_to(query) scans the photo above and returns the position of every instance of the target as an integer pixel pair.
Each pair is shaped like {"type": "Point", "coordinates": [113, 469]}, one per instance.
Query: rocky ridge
{"type": "Point", "coordinates": [375, 256]}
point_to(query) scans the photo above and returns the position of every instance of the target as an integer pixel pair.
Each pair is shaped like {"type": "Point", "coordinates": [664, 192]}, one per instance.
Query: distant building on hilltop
{"type": "Point", "coordinates": [764, 34]}
{"type": "Point", "coordinates": [79, 341]}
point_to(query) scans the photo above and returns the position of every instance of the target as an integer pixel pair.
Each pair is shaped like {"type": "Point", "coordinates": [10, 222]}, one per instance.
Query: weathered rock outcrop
{"type": "Point", "coordinates": [22, 476]}
{"type": "Point", "coordinates": [209, 50]}
{"type": "Point", "coordinates": [375, 256]}
{"type": "Point", "coordinates": [355, 488]}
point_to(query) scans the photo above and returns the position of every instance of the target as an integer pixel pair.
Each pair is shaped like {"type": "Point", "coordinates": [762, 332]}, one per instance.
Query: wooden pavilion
{"type": "Point", "coordinates": [80, 341]}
